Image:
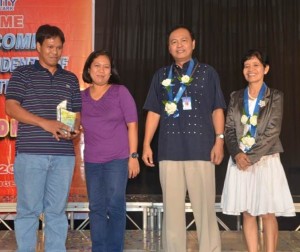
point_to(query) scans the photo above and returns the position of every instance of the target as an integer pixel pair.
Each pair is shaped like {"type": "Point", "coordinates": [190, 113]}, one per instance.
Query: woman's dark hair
{"type": "Point", "coordinates": [47, 31]}
{"type": "Point", "coordinates": [179, 27]}
{"type": "Point", "coordinates": [262, 57]}
{"type": "Point", "coordinates": [114, 78]}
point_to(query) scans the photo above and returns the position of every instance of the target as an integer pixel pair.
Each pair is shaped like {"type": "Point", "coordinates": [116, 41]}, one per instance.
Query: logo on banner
{"type": "Point", "coordinates": [7, 5]}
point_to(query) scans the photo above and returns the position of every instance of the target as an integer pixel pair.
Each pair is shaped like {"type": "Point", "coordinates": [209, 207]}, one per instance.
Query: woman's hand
{"type": "Point", "coordinates": [133, 167]}
{"type": "Point", "coordinates": [242, 161]}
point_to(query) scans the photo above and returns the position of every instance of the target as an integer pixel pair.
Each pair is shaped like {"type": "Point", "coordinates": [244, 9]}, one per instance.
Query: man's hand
{"type": "Point", "coordinates": [59, 130]}
{"type": "Point", "coordinates": [217, 152]}
{"type": "Point", "coordinates": [148, 156]}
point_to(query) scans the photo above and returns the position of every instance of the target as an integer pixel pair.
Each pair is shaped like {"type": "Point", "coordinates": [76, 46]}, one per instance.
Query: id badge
{"type": "Point", "coordinates": [186, 103]}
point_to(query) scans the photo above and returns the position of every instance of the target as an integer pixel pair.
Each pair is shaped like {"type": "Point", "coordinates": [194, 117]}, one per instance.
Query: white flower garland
{"type": "Point", "coordinates": [247, 140]}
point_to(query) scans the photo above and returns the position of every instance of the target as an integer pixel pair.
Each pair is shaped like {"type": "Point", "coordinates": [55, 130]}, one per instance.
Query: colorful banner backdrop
{"type": "Point", "coordinates": [19, 20]}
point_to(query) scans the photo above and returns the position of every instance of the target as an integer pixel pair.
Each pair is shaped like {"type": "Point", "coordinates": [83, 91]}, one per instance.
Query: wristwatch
{"type": "Point", "coordinates": [220, 135]}
{"type": "Point", "coordinates": [134, 155]}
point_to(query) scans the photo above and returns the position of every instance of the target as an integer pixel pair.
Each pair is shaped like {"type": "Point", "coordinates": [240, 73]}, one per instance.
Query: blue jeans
{"type": "Point", "coordinates": [106, 187]}
{"type": "Point", "coordinates": [43, 184]}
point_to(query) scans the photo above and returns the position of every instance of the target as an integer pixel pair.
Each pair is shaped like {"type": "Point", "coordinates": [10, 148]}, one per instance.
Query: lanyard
{"type": "Point", "coordinates": [183, 86]}
{"type": "Point", "coordinates": [256, 108]}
